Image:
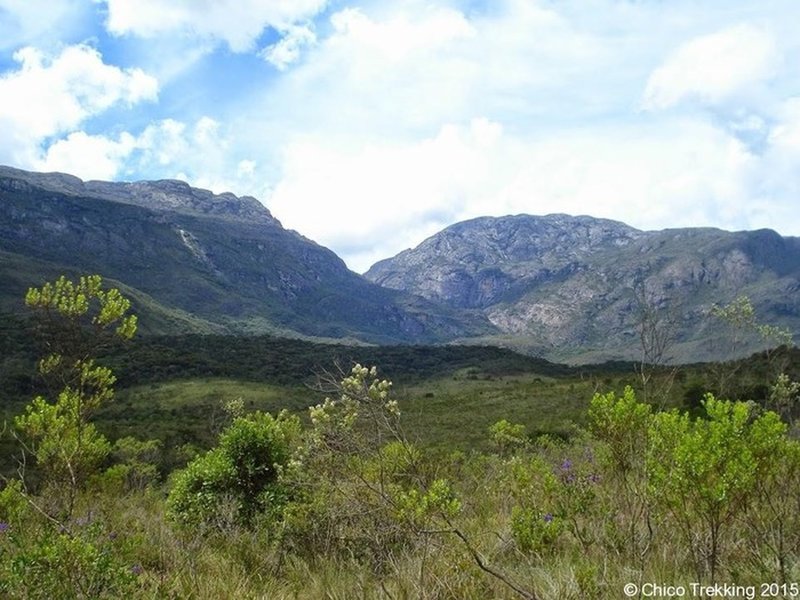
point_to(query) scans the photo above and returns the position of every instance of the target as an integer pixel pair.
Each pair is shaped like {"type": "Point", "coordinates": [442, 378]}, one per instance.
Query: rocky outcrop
{"type": "Point", "coordinates": [571, 285]}
{"type": "Point", "coordinates": [166, 195]}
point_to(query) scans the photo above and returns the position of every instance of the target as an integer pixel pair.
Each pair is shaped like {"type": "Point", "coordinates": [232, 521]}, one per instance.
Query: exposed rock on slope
{"type": "Point", "coordinates": [565, 285]}
{"type": "Point", "coordinates": [223, 259]}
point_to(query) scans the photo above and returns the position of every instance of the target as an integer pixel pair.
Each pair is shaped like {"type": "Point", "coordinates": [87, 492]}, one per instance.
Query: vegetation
{"type": "Point", "coordinates": [464, 483]}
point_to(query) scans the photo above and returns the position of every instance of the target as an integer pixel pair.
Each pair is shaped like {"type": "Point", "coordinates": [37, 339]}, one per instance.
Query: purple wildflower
{"type": "Point", "coordinates": [566, 465]}
{"type": "Point", "coordinates": [4, 527]}
{"type": "Point", "coordinates": [137, 569]}
{"type": "Point", "coordinates": [548, 518]}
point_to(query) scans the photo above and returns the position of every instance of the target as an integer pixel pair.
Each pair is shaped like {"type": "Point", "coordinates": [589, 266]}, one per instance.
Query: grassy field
{"type": "Point", "coordinates": [557, 517]}
{"type": "Point", "coordinates": [456, 412]}
{"type": "Point", "coordinates": [450, 412]}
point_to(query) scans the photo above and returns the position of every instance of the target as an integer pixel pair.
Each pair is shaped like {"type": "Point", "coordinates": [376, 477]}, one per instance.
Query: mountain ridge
{"type": "Point", "coordinates": [205, 255]}
{"type": "Point", "coordinates": [164, 194]}
{"type": "Point", "coordinates": [564, 285]}
{"type": "Point", "coordinates": [559, 286]}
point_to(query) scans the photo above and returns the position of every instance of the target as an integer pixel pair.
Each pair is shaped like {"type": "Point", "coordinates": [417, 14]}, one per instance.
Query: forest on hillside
{"type": "Point", "coordinates": [615, 481]}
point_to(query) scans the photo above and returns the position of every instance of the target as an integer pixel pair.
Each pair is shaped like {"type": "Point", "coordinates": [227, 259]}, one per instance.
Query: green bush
{"type": "Point", "coordinates": [704, 472]}
{"type": "Point", "coordinates": [66, 565]}
{"type": "Point", "coordinates": [534, 532]}
{"type": "Point", "coordinates": [239, 479]}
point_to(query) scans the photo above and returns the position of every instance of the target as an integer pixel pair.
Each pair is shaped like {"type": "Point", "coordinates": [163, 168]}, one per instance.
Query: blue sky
{"type": "Point", "coordinates": [368, 126]}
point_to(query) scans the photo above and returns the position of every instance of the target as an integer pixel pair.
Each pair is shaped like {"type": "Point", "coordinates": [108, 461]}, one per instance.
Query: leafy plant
{"type": "Point", "coordinates": [242, 470]}
{"type": "Point", "coordinates": [508, 436]}
{"type": "Point", "coordinates": [705, 471]}
{"type": "Point", "coordinates": [66, 446]}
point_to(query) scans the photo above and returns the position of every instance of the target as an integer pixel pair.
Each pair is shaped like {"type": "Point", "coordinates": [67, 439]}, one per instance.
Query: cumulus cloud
{"type": "Point", "coordinates": [237, 22]}
{"type": "Point", "coordinates": [287, 51]}
{"type": "Point", "coordinates": [48, 100]}
{"type": "Point", "coordinates": [372, 201]}
{"type": "Point", "coordinates": [399, 36]}
{"type": "Point", "coordinates": [406, 68]}
{"type": "Point", "coordinates": [48, 96]}
{"type": "Point", "coordinates": [683, 172]}
{"type": "Point", "coordinates": [87, 156]}
{"type": "Point", "coordinates": [712, 68]}
{"type": "Point", "coordinates": [196, 152]}
{"type": "Point", "coordinates": [199, 152]}
{"type": "Point", "coordinates": [781, 159]}
{"type": "Point", "coordinates": [364, 195]}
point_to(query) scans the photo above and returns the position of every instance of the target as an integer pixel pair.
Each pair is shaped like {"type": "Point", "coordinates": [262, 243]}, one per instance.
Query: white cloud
{"type": "Point", "coordinates": [88, 156]}
{"type": "Point", "coordinates": [781, 160]}
{"type": "Point", "coordinates": [372, 201]}
{"type": "Point", "coordinates": [26, 21]}
{"type": "Point", "coordinates": [196, 152]}
{"type": "Point", "coordinates": [404, 68]}
{"type": "Point", "coordinates": [713, 67]}
{"type": "Point", "coordinates": [683, 172]}
{"type": "Point", "coordinates": [237, 22]}
{"type": "Point", "coordinates": [48, 96]}
{"type": "Point", "coordinates": [287, 51]}
{"type": "Point", "coordinates": [199, 153]}
{"type": "Point", "coordinates": [399, 36]}
{"type": "Point", "coordinates": [364, 198]}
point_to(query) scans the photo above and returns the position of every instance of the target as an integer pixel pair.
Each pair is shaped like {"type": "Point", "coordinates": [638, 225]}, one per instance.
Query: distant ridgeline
{"type": "Point", "coordinates": [561, 287]}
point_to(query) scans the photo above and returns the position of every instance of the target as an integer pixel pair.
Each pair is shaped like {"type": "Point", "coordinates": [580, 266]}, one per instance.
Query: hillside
{"type": "Point", "coordinates": [198, 262]}
{"type": "Point", "coordinates": [562, 287]}
{"type": "Point", "coordinates": [566, 286]}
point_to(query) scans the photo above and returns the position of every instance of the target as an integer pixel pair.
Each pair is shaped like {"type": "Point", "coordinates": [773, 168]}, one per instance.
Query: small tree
{"type": "Point", "coordinates": [75, 318]}
{"type": "Point", "coordinates": [508, 436]}
{"type": "Point", "coordinates": [656, 338]}
{"type": "Point", "coordinates": [621, 425]}
{"type": "Point", "coordinates": [744, 329]}
{"type": "Point", "coordinates": [705, 472]}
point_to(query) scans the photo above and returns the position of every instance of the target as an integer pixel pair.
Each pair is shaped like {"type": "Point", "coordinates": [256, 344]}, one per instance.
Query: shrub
{"type": "Point", "coordinates": [242, 472]}
{"type": "Point", "coordinates": [705, 471]}
{"type": "Point", "coordinates": [63, 565]}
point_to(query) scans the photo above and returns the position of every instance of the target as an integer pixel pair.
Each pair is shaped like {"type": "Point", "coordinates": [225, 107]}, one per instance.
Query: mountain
{"type": "Point", "coordinates": [193, 261]}
{"type": "Point", "coordinates": [558, 286]}
{"type": "Point", "coordinates": [564, 286]}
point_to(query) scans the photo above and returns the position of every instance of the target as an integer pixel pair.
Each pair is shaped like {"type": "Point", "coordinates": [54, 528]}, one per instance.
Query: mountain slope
{"type": "Point", "coordinates": [566, 286]}
{"type": "Point", "coordinates": [558, 286]}
{"type": "Point", "coordinates": [221, 260]}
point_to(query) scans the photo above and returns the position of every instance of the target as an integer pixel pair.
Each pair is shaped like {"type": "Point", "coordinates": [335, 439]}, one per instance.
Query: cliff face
{"type": "Point", "coordinates": [222, 259]}
{"type": "Point", "coordinates": [567, 285]}
{"type": "Point", "coordinates": [481, 262]}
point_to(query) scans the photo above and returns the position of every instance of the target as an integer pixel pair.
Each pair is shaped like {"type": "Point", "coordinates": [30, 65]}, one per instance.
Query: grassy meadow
{"type": "Point", "coordinates": [269, 468]}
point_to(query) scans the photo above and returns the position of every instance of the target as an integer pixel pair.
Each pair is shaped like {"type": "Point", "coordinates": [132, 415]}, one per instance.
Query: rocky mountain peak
{"type": "Point", "coordinates": [474, 263]}
{"type": "Point", "coordinates": [569, 283]}
{"type": "Point", "coordinates": [167, 195]}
